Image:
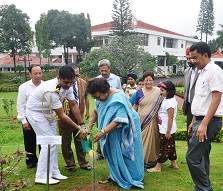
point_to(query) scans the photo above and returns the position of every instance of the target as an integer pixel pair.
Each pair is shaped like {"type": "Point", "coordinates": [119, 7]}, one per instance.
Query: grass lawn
{"type": "Point", "coordinates": [167, 180]}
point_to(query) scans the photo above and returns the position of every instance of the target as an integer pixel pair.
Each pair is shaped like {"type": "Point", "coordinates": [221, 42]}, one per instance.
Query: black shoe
{"type": "Point", "coordinates": [31, 166]}
{"type": "Point", "coordinates": [87, 168]}
{"type": "Point", "coordinates": [100, 157]}
{"type": "Point", "coordinates": [71, 169]}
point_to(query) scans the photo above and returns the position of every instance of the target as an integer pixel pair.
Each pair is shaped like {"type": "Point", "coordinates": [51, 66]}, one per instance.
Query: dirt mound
{"type": "Point", "coordinates": [96, 187]}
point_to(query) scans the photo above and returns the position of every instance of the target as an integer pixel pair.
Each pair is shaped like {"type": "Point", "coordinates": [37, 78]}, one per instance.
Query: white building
{"type": "Point", "coordinates": [155, 40]}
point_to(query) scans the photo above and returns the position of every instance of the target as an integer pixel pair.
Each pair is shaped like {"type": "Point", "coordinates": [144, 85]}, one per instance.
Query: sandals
{"type": "Point", "coordinates": [105, 181]}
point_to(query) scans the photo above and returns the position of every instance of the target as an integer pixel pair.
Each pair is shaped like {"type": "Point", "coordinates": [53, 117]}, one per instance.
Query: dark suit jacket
{"type": "Point", "coordinates": [187, 75]}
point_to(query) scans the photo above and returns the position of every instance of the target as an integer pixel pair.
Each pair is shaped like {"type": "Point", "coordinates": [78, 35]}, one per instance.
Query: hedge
{"type": "Point", "coordinates": [181, 135]}
{"type": "Point", "coordinates": [9, 88]}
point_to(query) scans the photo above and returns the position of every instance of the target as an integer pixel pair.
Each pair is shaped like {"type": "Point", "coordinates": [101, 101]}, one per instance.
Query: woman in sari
{"type": "Point", "coordinates": [120, 136]}
{"type": "Point", "coordinates": [147, 103]}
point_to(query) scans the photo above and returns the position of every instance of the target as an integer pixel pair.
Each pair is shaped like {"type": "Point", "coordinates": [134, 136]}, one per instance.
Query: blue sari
{"type": "Point", "coordinates": [122, 147]}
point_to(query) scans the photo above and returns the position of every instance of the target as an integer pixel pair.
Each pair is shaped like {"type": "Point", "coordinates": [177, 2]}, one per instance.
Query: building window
{"type": "Point", "coordinates": [158, 40]}
{"type": "Point", "coordinates": [169, 43]}
{"type": "Point", "coordinates": [144, 38]}
{"type": "Point", "coordinates": [161, 60]}
{"type": "Point", "coordinates": [106, 39]}
{"type": "Point", "coordinates": [99, 41]}
{"type": "Point", "coordinates": [182, 45]}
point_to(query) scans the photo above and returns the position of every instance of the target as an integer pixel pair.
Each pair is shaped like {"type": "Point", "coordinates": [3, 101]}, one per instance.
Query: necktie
{"type": "Point", "coordinates": [75, 93]}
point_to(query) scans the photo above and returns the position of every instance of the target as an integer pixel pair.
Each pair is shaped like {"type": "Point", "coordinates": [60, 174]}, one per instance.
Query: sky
{"type": "Point", "coordinates": [175, 15]}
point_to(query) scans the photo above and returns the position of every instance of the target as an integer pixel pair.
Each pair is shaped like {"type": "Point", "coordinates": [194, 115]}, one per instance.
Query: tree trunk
{"type": "Point", "coordinates": [14, 63]}
{"type": "Point", "coordinates": [65, 54]}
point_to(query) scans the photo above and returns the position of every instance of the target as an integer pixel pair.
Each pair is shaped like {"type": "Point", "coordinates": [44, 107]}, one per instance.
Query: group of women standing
{"type": "Point", "coordinates": [130, 138]}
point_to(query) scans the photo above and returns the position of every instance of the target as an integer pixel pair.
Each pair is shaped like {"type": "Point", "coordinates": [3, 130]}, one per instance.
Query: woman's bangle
{"type": "Point", "coordinates": [102, 132]}
{"type": "Point", "coordinates": [83, 123]}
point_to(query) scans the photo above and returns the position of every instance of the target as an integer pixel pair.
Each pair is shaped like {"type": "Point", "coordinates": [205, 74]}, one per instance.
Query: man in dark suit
{"type": "Point", "coordinates": [190, 78]}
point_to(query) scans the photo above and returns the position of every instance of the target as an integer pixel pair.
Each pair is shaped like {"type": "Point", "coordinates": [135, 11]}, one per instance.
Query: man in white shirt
{"type": "Point", "coordinates": [207, 109]}
{"type": "Point", "coordinates": [29, 135]}
{"type": "Point", "coordinates": [41, 109]}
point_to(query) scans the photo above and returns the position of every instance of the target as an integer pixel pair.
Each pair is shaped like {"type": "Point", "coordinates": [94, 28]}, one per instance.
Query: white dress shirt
{"type": "Point", "coordinates": [209, 80]}
{"type": "Point", "coordinates": [24, 92]}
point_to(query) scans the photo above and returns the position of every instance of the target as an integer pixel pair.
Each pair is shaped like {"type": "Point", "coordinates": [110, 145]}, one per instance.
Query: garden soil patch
{"type": "Point", "coordinates": [96, 187]}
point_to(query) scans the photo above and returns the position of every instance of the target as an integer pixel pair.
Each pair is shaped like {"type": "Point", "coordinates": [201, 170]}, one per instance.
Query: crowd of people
{"type": "Point", "coordinates": [136, 122]}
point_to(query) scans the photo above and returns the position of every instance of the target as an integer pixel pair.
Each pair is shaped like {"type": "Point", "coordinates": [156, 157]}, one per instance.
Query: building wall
{"type": "Point", "coordinates": [180, 43]}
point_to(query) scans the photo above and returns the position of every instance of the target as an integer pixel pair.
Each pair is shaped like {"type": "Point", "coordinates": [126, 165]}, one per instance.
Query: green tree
{"type": "Point", "coordinates": [205, 23]}
{"type": "Point", "coordinates": [61, 30]}
{"type": "Point", "coordinates": [16, 36]}
{"type": "Point", "coordinates": [122, 18]}
{"type": "Point", "coordinates": [69, 30]}
{"type": "Point", "coordinates": [46, 67]}
{"type": "Point", "coordinates": [214, 45]}
{"type": "Point", "coordinates": [42, 36]}
{"type": "Point", "coordinates": [83, 40]}
{"type": "Point", "coordinates": [171, 59]}
{"type": "Point", "coordinates": [220, 37]}
{"type": "Point", "coordinates": [125, 56]}
{"type": "Point", "coordinates": [209, 26]}
{"type": "Point", "coordinates": [19, 68]}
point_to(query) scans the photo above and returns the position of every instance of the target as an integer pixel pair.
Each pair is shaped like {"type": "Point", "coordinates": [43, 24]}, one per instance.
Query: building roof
{"type": "Point", "coordinates": [217, 54]}
{"type": "Point", "coordinates": [139, 24]}
{"type": "Point", "coordinates": [19, 60]}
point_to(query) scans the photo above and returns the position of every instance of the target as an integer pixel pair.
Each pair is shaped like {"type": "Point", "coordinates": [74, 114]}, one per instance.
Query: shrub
{"type": "Point", "coordinates": [179, 84]}
{"type": "Point", "coordinates": [19, 68]}
{"type": "Point", "coordinates": [181, 135]}
{"type": "Point", "coordinates": [9, 88]}
{"type": "Point", "coordinates": [8, 105]}
{"type": "Point", "coordinates": [180, 93]}
{"type": "Point", "coordinates": [46, 67]}
{"type": "Point", "coordinates": [8, 165]}
{"type": "Point", "coordinates": [17, 79]}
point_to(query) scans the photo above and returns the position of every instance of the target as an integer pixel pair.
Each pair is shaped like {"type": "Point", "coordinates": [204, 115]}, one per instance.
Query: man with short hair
{"type": "Point", "coordinates": [105, 70]}
{"type": "Point", "coordinates": [41, 109]}
{"type": "Point", "coordinates": [207, 109]}
{"type": "Point", "coordinates": [81, 97]}
{"type": "Point", "coordinates": [35, 73]}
